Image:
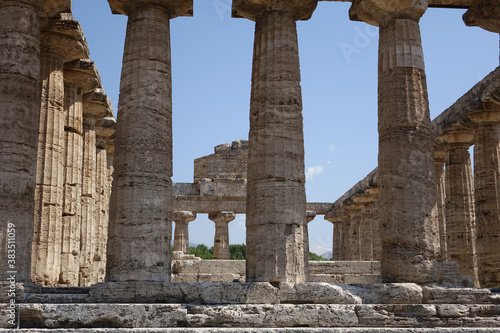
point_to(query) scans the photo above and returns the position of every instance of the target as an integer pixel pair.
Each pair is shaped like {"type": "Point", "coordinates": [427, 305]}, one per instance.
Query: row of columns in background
{"type": "Point", "coordinates": [276, 214]}
{"type": "Point", "coordinates": [56, 147]}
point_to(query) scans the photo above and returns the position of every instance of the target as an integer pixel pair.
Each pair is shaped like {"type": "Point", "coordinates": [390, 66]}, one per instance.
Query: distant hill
{"type": "Point", "coordinates": [327, 255]}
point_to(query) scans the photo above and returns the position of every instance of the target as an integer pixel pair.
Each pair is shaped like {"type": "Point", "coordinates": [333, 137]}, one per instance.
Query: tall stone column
{"type": "Point", "coordinates": [460, 216]}
{"type": "Point", "coordinates": [346, 240]}
{"type": "Point", "coordinates": [487, 192]}
{"type": "Point", "coordinates": [439, 160]}
{"type": "Point", "coordinates": [95, 107]}
{"type": "Point", "coordinates": [19, 117]}
{"type": "Point", "coordinates": [141, 201]}
{"type": "Point", "coordinates": [356, 211]}
{"type": "Point", "coordinates": [80, 77]}
{"type": "Point", "coordinates": [276, 199]}
{"type": "Point", "coordinates": [406, 176]}
{"type": "Point", "coordinates": [104, 129]}
{"type": "Point", "coordinates": [181, 232]}
{"type": "Point", "coordinates": [61, 40]}
{"type": "Point", "coordinates": [221, 238]}
{"type": "Point", "coordinates": [372, 192]}
{"type": "Point", "coordinates": [366, 225]}
{"type": "Point", "coordinates": [336, 219]}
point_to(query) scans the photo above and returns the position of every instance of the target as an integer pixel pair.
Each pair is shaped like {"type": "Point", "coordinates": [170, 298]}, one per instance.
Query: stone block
{"type": "Point", "coordinates": [330, 278]}
{"type": "Point", "coordinates": [365, 278]}
{"type": "Point", "coordinates": [388, 293]}
{"type": "Point", "coordinates": [453, 295]}
{"type": "Point", "coordinates": [310, 292]}
{"type": "Point", "coordinates": [453, 310]}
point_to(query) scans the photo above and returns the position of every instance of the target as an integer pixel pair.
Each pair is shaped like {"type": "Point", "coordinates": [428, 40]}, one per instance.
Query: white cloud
{"type": "Point", "coordinates": [314, 171]}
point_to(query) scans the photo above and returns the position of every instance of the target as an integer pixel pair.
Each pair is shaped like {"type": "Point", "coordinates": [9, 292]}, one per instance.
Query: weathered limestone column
{"type": "Point", "coordinates": [365, 227]}
{"type": "Point", "coordinates": [276, 200]}
{"type": "Point", "coordinates": [460, 216]}
{"type": "Point", "coordinates": [140, 227]}
{"type": "Point", "coordinates": [104, 130]}
{"type": "Point", "coordinates": [336, 220]}
{"type": "Point", "coordinates": [95, 107]}
{"type": "Point", "coordinates": [356, 212]}
{"type": "Point", "coordinates": [61, 40]}
{"type": "Point", "coordinates": [406, 176]}
{"type": "Point", "coordinates": [181, 232]}
{"type": "Point", "coordinates": [487, 192]}
{"type": "Point", "coordinates": [221, 238]}
{"type": "Point", "coordinates": [346, 240]}
{"type": "Point", "coordinates": [372, 192]}
{"type": "Point", "coordinates": [80, 77]}
{"type": "Point", "coordinates": [439, 160]}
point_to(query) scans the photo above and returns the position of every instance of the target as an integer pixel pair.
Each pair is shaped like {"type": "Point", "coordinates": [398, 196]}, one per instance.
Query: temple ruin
{"type": "Point", "coordinates": [87, 201]}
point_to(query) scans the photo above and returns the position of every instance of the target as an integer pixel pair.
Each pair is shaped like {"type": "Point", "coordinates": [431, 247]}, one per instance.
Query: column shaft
{"type": "Point", "coordinates": [355, 234]}
{"type": "Point", "coordinates": [276, 202]}
{"type": "Point", "coordinates": [487, 193]}
{"type": "Point", "coordinates": [460, 217]}
{"type": "Point", "coordinates": [439, 160]}
{"type": "Point", "coordinates": [181, 232]}
{"type": "Point", "coordinates": [346, 242]}
{"type": "Point", "coordinates": [337, 241]}
{"type": "Point", "coordinates": [101, 215]}
{"type": "Point", "coordinates": [19, 117]}
{"type": "Point", "coordinates": [407, 198]}
{"type": "Point", "coordinates": [141, 201]}
{"type": "Point", "coordinates": [366, 231]}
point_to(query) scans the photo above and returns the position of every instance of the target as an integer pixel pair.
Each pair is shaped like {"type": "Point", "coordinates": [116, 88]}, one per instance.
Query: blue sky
{"type": "Point", "coordinates": [211, 72]}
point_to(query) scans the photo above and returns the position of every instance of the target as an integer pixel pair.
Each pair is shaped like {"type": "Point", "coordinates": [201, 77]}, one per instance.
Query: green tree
{"type": "Point", "coordinates": [314, 257]}
{"type": "Point", "coordinates": [237, 252]}
{"type": "Point", "coordinates": [202, 251]}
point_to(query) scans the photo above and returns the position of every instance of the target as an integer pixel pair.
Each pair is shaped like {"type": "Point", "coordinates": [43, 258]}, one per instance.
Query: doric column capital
{"type": "Point", "coordinates": [104, 131]}
{"type": "Point", "coordinates": [310, 215]}
{"type": "Point", "coordinates": [183, 216]}
{"type": "Point", "coordinates": [251, 9]}
{"type": "Point", "coordinates": [83, 74]}
{"type": "Point", "coordinates": [222, 217]}
{"type": "Point", "coordinates": [454, 138]}
{"type": "Point", "coordinates": [362, 198]}
{"type": "Point", "coordinates": [173, 7]}
{"type": "Point", "coordinates": [489, 114]}
{"type": "Point", "coordinates": [439, 154]}
{"type": "Point", "coordinates": [96, 105]}
{"type": "Point", "coordinates": [334, 216]}
{"type": "Point", "coordinates": [378, 12]}
{"type": "Point", "coordinates": [63, 37]}
{"type": "Point", "coordinates": [484, 14]}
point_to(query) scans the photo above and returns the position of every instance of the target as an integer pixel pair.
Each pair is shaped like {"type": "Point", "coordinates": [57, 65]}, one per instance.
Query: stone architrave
{"type": "Point", "coordinates": [276, 200]}
{"type": "Point", "coordinates": [439, 160]}
{"type": "Point", "coordinates": [104, 129]}
{"type": "Point", "coordinates": [484, 14]}
{"type": "Point", "coordinates": [221, 238]}
{"type": "Point", "coordinates": [80, 77]}
{"type": "Point", "coordinates": [460, 216]}
{"type": "Point", "coordinates": [140, 227]}
{"type": "Point", "coordinates": [181, 231]}
{"type": "Point", "coordinates": [62, 40]}
{"type": "Point", "coordinates": [96, 106]}
{"type": "Point", "coordinates": [406, 175]}
{"type": "Point", "coordinates": [487, 192]}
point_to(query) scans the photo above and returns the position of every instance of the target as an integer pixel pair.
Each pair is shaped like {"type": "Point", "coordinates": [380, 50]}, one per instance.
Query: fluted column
{"type": "Point", "coordinates": [487, 192]}
{"type": "Point", "coordinates": [104, 129]}
{"type": "Point", "coordinates": [80, 77]}
{"type": "Point", "coordinates": [19, 117]}
{"type": "Point", "coordinates": [346, 240]}
{"type": "Point", "coordinates": [366, 225]}
{"type": "Point", "coordinates": [439, 160]}
{"type": "Point", "coordinates": [355, 210]}
{"type": "Point", "coordinates": [181, 231]}
{"type": "Point", "coordinates": [406, 175]}
{"type": "Point", "coordinates": [276, 199]}
{"type": "Point", "coordinates": [61, 40]}
{"type": "Point", "coordinates": [460, 216]}
{"type": "Point", "coordinates": [141, 201]}
{"type": "Point", "coordinates": [372, 193]}
{"type": "Point", "coordinates": [221, 238]}
{"type": "Point", "coordinates": [336, 219]}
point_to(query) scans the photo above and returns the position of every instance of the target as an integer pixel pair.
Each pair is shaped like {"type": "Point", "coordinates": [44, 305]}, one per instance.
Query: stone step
{"type": "Point", "coordinates": [260, 330]}
{"type": "Point", "coordinates": [151, 316]}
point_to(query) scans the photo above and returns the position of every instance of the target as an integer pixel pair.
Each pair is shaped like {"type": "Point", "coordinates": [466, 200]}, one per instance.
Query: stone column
{"type": "Point", "coordinates": [19, 116]}
{"type": "Point", "coordinates": [104, 129]}
{"type": "Point", "coordinates": [95, 107]}
{"type": "Point", "coordinates": [181, 232]}
{"type": "Point", "coordinates": [80, 77]}
{"type": "Point", "coordinates": [365, 227]}
{"type": "Point", "coordinates": [355, 210]}
{"type": "Point", "coordinates": [61, 40]}
{"type": "Point", "coordinates": [336, 220]}
{"type": "Point", "coordinates": [439, 159]}
{"type": "Point", "coordinates": [460, 216]}
{"type": "Point", "coordinates": [346, 241]}
{"type": "Point", "coordinates": [221, 238]}
{"type": "Point", "coordinates": [487, 192]}
{"type": "Point", "coordinates": [372, 192]}
{"type": "Point", "coordinates": [406, 175]}
{"type": "Point", "coordinates": [276, 200]}
{"type": "Point", "coordinates": [141, 201]}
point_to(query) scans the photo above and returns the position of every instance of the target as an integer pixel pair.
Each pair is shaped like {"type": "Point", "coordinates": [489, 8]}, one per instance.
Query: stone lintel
{"type": "Point", "coordinates": [96, 105]}
{"type": "Point", "coordinates": [83, 74]}
{"type": "Point", "coordinates": [484, 14]}
{"type": "Point", "coordinates": [64, 36]}
{"type": "Point", "coordinates": [250, 9]}
{"type": "Point", "coordinates": [378, 12]}
{"type": "Point", "coordinates": [173, 7]}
